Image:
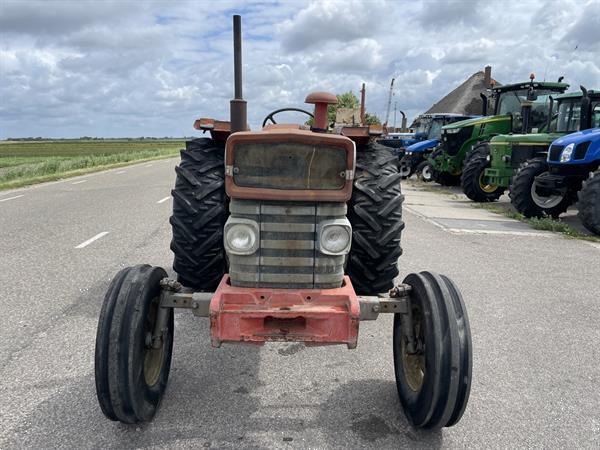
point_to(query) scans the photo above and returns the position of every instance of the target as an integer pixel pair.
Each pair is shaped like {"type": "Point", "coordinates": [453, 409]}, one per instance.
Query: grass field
{"type": "Point", "coordinates": [28, 162]}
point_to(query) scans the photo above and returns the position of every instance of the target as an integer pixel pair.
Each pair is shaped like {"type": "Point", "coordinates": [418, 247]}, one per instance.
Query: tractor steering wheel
{"type": "Point", "coordinates": [277, 111]}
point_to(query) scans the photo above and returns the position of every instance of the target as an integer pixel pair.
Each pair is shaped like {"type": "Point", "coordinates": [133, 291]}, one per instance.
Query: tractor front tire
{"type": "Point", "coordinates": [472, 180]}
{"type": "Point", "coordinates": [406, 167]}
{"type": "Point", "coordinates": [589, 203]}
{"type": "Point", "coordinates": [131, 374]}
{"type": "Point", "coordinates": [200, 210]}
{"type": "Point", "coordinates": [425, 171]}
{"type": "Point", "coordinates": [375, 212]}
{"type": "Point", "coordinates": [525, 199]}
{"type": "Point", "coordinates": [434, 379]}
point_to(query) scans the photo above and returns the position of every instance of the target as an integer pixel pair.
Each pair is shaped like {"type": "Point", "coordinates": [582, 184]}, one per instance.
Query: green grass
{"type": "Point", "coordinates": [543, 224]}
{"type": "Point", "coordinates": [25, 163]}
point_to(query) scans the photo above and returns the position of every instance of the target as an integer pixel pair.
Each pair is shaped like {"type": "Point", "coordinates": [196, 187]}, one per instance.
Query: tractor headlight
{"type": "Point", "coordinates": [335, 236]}
{"type": "Point", "coordinates": [566, 153]}
{"type": "Point", "coordinates": [241, 236]}
{"type": "Point", "coordinates": [452, 130]}
{"type": "Point", "coordinates": [409, 153]}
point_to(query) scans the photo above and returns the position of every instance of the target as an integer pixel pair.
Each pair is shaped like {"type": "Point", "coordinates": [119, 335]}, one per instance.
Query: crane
{"type": "Point", "coordinates": [389, 104]}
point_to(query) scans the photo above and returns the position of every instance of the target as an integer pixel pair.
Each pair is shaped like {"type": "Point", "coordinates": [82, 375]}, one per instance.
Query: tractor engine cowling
{"type": "Point", "coordinates": [287, 226]}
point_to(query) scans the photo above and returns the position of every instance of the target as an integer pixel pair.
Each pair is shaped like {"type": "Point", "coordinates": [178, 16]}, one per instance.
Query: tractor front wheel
{"type": "Point", "coordinates": [433, 372]}
{"type": "Point", "coordinates": [589, 203]}
{"type": "Point", "coordinates": [406, 167]}
{"type": "Point", "coordinates": [425, 172]}
{"type": "Point", "coordinates": [131, 363]}
{"type": "Point", "coordinates": [525, 197]}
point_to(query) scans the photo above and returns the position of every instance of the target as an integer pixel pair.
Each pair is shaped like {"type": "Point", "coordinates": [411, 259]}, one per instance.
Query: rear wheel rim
{"type": "Point", "coordinates": [153, 357]}
{"type": "Point", "coordinates": [486, 187]}
{"type": "Point", "coordinates": [545, 202]}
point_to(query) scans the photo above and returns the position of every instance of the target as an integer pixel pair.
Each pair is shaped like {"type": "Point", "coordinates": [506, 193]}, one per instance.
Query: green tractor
{"type": "Point", "coordinates": [529, 189]}
{"type": "Point", "coordinates": [488, 173]}
{"type": "Point", "coordinates": [462, 140]}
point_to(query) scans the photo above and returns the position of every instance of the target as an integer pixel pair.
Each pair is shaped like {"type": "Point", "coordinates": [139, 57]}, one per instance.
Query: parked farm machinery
{"type": "Point", "coordinates": [285, 234]}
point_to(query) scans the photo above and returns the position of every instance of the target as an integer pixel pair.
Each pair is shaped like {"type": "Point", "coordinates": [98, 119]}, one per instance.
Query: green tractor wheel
{"type": "Point", "coordinates": [473, 180]}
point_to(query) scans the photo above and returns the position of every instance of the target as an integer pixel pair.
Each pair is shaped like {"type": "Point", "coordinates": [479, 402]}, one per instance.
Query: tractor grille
{"type": "Point", "coordinates": [288, 255]}
{"type": "Point", "coordinates": [555, 152]}
{"type": "Point", "coordinates": [454, 141]}
{"type": "Point", "coordinates": [581, 150]}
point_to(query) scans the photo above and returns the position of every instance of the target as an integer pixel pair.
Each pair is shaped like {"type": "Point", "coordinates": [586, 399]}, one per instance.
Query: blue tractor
{"type": "Point", "coordinates": [428, 135]}
{"type": "Point", "coordinates": [574, 164]}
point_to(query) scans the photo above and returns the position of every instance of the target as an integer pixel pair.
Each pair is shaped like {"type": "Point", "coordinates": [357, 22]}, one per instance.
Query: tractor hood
{"type": "Point", "coordinates": [475, 121]}
{"type": "Point", "coordinates": [525, 139]}
{"type": "Point", "coordinates": [592, 134]}
{"type": "Point", "coordinates": [420, 147]}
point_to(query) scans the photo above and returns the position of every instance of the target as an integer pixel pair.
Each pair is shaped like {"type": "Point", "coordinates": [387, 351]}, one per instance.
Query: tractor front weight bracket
{"type": "Point", "coordinates": [175, 295]}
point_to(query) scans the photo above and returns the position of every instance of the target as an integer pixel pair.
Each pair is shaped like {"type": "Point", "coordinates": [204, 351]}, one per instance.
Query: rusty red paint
{"type": "Point", "coordinates": [219, 129]}
{"type": "Point", "coordinates": [259, 315]}
{"type": "Point", "coordinates": [287, 134]}
{"type": "Point", "coordinates": [321, 100]}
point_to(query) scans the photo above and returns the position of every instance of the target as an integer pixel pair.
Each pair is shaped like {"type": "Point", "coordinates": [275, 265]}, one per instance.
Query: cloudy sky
{"type": "Point", "coordinates": [133, 68]}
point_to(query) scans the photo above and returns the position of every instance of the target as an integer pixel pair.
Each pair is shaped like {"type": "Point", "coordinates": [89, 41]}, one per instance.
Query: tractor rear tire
{"type": "Point", "coordinates": [524, 198]}
{"type": "Point", "coordinates": [375, 212]}
{"type": "Point", "coordinates": [472, 180]}
{"type": "Point", "coordinates": [131, 375]}
{"type": "Point", "coordinates": [200, 210]}
{"type": "Point", "coordinates": [589, 203]}
{"type": "Point", "coordinates": [434, 381]}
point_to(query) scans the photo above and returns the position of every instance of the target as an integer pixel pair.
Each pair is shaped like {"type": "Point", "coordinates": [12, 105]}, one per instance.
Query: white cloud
{"type": "Point", "coordinates": [118, 68]}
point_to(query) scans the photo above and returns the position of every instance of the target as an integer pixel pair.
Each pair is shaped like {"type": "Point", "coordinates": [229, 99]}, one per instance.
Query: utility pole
{"type": "Point", "coordinates": [395, 105]}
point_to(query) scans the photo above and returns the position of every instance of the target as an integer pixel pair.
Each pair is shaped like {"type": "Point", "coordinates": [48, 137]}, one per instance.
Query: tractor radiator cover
{"type": "Point", "coordinates": [287, 255]}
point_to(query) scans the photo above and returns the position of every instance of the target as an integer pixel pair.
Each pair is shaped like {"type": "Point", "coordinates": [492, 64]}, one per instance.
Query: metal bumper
{"type": "Point", "coordinates": [259, 315]}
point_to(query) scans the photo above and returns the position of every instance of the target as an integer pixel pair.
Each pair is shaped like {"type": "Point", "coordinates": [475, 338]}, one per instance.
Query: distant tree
{"type": "Point", "coordinates": [347, 100]}
{"type": "Point", "coordinates": [372, 119]}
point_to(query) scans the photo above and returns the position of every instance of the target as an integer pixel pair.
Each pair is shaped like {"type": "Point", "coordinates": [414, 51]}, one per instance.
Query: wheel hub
{"type": "Point", "coordinates": [153, 357]}
{"type": "Point", "coordinates": [486, 187]}
{"type": "Point", "coordinates": [426, 173]}
{"type": "Point", "coordinates": [545, 202]}
{"type": "Point", "coordinates": [414, 363]}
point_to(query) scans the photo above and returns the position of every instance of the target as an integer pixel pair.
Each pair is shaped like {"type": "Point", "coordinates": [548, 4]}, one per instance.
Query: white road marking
{"type": "Point", "coordinates": [79, 182]}
{"type": "Point", "coordinates": [121, 171]}
{"type": "Point", "coordinates": [10, 198]}
{"type": "Point", "coordinates": [92, 239]}
{"type": "Point", "coordinates": [164, 199]}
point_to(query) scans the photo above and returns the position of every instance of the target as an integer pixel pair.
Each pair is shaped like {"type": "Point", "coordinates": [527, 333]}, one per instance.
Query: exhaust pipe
{"type": "Point", "coordinates": [237, 106]}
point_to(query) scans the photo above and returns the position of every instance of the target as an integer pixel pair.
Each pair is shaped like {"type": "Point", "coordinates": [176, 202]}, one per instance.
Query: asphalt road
{"type": "Point", "coordinates": [533, 300]}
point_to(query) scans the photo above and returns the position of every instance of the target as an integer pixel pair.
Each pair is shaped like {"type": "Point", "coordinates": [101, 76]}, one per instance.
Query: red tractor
{"type": "Point", "coordinates": [290, 233]}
